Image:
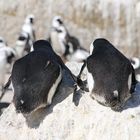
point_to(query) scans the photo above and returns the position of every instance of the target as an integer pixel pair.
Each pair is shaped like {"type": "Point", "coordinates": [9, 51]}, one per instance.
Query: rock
{"type": "Point", "coordinates": [65, 121]}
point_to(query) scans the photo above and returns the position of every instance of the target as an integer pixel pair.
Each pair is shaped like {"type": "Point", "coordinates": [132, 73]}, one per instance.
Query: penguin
{"type": "Point", "coordinates": [3, 43]}
{"type": "Point", "coordinates": [28, 27]}
{"type": "Point", "coordinates": [135, 61]}
{"type": "Point", "coordinates": [110, 75]}
{"type": "Point", "coordinates": [35, 78]}
{"type": "Point", "coordinates": [64, 44]}
{"type": "Point", "coordinates": [53, 37]}
{"type": "Point", "coordinates": [7, 56]}
{"type": "Point", "coordinates": [23, 45]}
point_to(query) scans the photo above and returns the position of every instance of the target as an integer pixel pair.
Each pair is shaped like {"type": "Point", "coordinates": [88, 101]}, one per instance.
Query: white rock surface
{"type": "Point", "coordinates": [65, 121]}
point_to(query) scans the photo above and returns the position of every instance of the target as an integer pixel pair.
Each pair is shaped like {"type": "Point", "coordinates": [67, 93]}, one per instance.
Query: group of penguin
{"type": "Point", "coordinates": [38, 66]}
{"type": "Point", "coordinates": [22, 46]}
{"type": "Point", "coordinates": [65, 45]}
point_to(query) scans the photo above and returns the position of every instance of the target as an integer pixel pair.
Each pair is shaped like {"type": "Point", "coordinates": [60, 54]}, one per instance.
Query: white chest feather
{"type": "Point", "coordinates": [53, 88]}
{"type": "Point", "coordinates": [56, 43]}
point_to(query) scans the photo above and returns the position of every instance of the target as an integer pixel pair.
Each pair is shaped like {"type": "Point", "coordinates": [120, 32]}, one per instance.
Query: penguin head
{"type": "Point", "coordinates": [8, 53]}
{"type": "Point", "coordinates": [30, 19]}
{"type": "Point", "coordinates": [99, 42]}
{"type": "Point", "coordinates": [2, 42]}
{"type": "Point", "coordinates": [39, 44]}
{"type": "Point", "coordinates": [135, 62]}
{"type": "Point", "coordinates": [57, 22]}
{"type": "Point", "coordinates": [1, 39]}
{"type": "Point", "coordinates": [23, 36]}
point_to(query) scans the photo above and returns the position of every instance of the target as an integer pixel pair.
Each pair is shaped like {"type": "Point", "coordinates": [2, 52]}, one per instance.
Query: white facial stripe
{"type": "Point", "coordinates": [53, 88]}
{"type": "Point", "coordinates": [55, 23]}
{"type": "Point", "coordinates": [27, 20]}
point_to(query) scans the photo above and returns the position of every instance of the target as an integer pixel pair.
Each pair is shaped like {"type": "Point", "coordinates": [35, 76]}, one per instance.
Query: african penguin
{"type": "Point", "coordinates": [110, 75]}
{"type": "Point", "coordinates": [3, 43]}
{"type": "Point", "coordinates": [23, 44]}
{"type": "Point", "coordinates": [6, 58]}
{"type": "Point", "coordinates": [28, 27]}
{"type": "Point", "coordinates": [35, 78]}
{"type": "Point", "coordinates": [135, 61]}
{"type": "Point", "coordinates": [53, 37]}
{"type": "Point", "coordinates": [64, 44]}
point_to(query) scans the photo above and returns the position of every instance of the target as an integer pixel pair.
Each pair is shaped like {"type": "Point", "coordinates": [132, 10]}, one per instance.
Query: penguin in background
{"type": "Point", "coordinates": [67, 46]}
{"type": "Point", "coordinates": [23, 44]}
{"type": "Point", "coordinates": [135, 61]}
{"type": "Point", "coordinates": [8, 52]}
{"type": "Point", "coordinates": [3, 43]}
{"type": "Point", "coordinates": [54, 38]}
{"type": "Point", "coordinates": [7, 56]}
{"type": "Point", "coordinates": [26, 37]}
{"type": "Point", "coordinates": [28, 27]}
